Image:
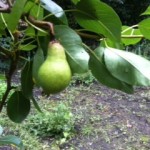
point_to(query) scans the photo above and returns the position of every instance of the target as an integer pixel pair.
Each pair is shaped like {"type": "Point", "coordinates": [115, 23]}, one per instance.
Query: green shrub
{"type": "Point", "coordinates": [85, 79]}
{"type": "Point", "coordinates": [58, 121]}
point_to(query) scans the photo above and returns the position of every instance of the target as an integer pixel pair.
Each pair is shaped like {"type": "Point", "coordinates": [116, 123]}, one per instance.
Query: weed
{"type": "Point", "coordinates": [58, 121]}
{"type": "Point", "coordinates": [10, 128]}
{"type": "Point", "coordinates": [85, 79]}
{"type": "Point", "coordinates": [2, 89]}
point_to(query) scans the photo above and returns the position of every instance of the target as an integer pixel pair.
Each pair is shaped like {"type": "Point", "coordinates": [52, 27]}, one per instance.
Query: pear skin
{"type": "Point", "coordinates": [54, 74]}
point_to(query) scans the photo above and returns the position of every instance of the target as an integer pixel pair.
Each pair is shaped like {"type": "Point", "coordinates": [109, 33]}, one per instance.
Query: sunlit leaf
{"type": "Point", "coordinates": [18, 107]}
{"type": "Point", "coordinates": [144, 27]}
{"type": "Point", "coordinates": [100, 18]}
{"type": "Point", "coordinates": [130, 32]}
{"type": "Point", "coordinates": [77, 56]}
{"type": "Point", "coordinates": [127, 67]}
{"type": "Point", "coordinates": [99, 70]}
{"type": "Point", "coordinates": [55, 9]}
{"type": "Point", "coordinates": [147, 11]}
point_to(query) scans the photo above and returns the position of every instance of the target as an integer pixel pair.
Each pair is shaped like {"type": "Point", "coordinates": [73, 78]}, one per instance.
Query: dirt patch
{"type": "Point", "coordinates": [108, 119]}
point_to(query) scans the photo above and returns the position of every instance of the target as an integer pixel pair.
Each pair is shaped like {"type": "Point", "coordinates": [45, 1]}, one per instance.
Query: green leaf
{"type": "Point", "coordinates": [99, 70]}
{"type": "Point", "coordinates": [55, 9]}
{"type": "Point", "coordinates": [26, 80]}
{"type": "Point", "coordinates": [28, 47]}
{"type": "Point", "coordinates": [2, 77]}
{"type": "Point", "coordinates": [37, 62]}
{"type": "Point", "coordinates": [2, 25]}
{"type": "Point", "coordinates": [34, 10]}
{"type": "Point", "coordinates": [18, 107]}
{"type": "Point", "coordinates": [77, 56]}
{"type": "Point", "coordinates": [11, 139]}
{"type": "Point", "coordinates": [144, 27]}
{"type": "Point", "coordinates": [128, 31]}
{"type": "Point", "coordinates": [146, 12]}
{"type": "Point", "coordinates": [100, 18]}
{"type": "Point", "coordinates": [30, 32]}
{"type": "Point", "coordinates": [12, 19]}
{"type": "Point", "coordinates": [127, 67]}
{"type": "Point", "coordinates": [36, 105]}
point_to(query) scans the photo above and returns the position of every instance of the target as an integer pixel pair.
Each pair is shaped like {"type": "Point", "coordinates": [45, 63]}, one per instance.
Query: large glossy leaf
{"type": "Point", "coordinates": [144, 27]}
{"type": "Point", "coordinates": [77, 56]}
{"type": "Point", "coordinates": [18, 107]}
{"type": "Point", "coordinates": [130, 32]}
{"type": "Point", "coordinates": [100, 18]}
{"type": "Point", "coordinates": [11, 139]}
{"type": "Point", "coordinates": [99, 70]}
{"type": "Point", "coordinates": [26, 80]}
{"type": "Point", "coordinates": [37, 61]}
{"type": "Point", "coordinates": [12, 19]}
{"type": "Point", "coordinates": [55, 9]}
{"type": "Point", "coordinates": [127, 67]}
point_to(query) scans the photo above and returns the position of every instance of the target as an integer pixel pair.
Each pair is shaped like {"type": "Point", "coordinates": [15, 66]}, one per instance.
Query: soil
{"type": "Point", "coordinates": [110, 119]}
{"type": "Point", "coordinates": [107, 119]}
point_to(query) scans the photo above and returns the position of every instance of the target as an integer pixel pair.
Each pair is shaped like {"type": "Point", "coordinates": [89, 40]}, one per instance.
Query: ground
{"type": "Point", "coordinates": [106, 119]}
{"type": "Point", "coordinates": [112, 120]}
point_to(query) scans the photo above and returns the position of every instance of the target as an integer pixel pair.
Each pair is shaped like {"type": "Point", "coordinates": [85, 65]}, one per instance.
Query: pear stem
{"type": "Point", "coordinates": [42, 24]}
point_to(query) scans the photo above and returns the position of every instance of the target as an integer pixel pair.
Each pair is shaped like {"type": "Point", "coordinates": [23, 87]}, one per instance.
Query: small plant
{"type": "Point", "coordinates": [85, 79]}
{"type": "Point", "coordinates": [58, 122]}
{"type": "Point", "coordinates": [2, 89]}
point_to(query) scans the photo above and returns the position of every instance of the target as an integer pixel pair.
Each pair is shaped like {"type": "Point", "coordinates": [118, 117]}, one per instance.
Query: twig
{"type": "Point", "coordinates": [41, 24]}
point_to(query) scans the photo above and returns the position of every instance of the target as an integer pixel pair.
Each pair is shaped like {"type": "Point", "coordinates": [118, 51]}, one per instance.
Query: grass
{"type": "Point", "coordinates": [101, 119]}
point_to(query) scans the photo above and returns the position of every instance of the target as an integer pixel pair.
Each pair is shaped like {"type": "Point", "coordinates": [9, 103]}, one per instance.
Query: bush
{"type": "Point", "coordinates": [58, 121]}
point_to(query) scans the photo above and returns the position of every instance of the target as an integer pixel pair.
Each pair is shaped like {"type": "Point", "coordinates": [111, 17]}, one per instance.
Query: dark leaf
{"type": "Point", "coordinates": [37, 62]}
{"type": "Point", "coordinates": [26, 80]}
{"type": "Point", "coordinates": [18, 107]}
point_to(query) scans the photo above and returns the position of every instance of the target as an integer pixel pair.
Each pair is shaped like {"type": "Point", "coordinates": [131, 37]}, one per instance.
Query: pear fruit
{"type": "Point", "coordinates": [54, 74]}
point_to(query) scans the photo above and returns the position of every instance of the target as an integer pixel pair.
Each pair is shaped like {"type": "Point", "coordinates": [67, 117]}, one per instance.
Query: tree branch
{"type": "Point", "coordinates": [13, 65]}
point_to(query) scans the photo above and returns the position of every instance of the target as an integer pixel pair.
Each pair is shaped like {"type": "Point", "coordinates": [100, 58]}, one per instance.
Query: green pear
{"type": "Point", "coordinates": [54, 74]}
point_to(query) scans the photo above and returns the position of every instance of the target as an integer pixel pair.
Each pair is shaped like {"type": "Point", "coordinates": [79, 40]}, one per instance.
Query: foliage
{"type": "Point", "coordinates": [2, 89]}
{"type": "Point", "coordinates": [84, 79]}
{"type": "Point", "coordinates": [30, 25]}
{"type": "Point", "coordinates": [57, 121]}
{"type": "Point", "coordinates": [10, 128]}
